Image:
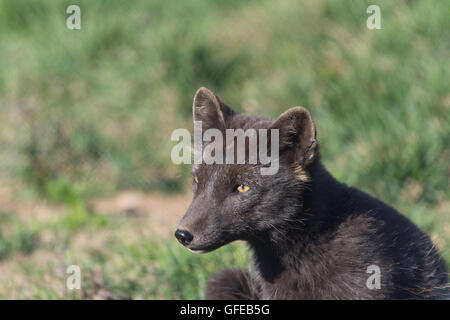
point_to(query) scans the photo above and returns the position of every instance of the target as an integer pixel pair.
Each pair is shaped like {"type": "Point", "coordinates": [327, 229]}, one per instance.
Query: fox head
{"type": "Point", "coordinates": [235, 201]}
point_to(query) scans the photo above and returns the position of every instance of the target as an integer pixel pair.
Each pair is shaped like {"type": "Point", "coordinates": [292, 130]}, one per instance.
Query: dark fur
{"type": "Point", "coordinates": [312, 237]}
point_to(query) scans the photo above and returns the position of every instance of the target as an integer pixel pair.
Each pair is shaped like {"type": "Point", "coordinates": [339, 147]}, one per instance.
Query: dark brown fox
{"type": "Point", "coordinates": [311, 236]}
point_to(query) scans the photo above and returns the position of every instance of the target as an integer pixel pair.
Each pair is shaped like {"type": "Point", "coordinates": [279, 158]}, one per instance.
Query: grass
{"type": "Point", "coordinates": [16, 238]}
{"type": "Point", "coordinates": [88, 113]}
{"type": "Point", "coordinates": [112, 265]}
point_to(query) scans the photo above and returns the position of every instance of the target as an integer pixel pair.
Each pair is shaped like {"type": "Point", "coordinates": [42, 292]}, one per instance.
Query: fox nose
{"type": "Point", "coordinates": [184, 236]}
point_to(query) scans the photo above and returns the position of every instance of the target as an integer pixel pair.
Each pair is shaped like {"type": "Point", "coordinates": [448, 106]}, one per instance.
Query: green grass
{"type": "Point", "coordinates": [169, 271]}
{"type": "Point", "coordinates": [86, 113]}
{"type": "Point", "coordinates": [143, 268]}
{"type": "Point", "coordinates": [15, 237]}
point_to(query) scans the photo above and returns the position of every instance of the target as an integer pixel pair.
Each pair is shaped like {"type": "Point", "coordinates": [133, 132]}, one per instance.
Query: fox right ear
{"type": "Point", "coordinates": [209, 109]}
{"type": "Point", "coordinates": [297, 135]}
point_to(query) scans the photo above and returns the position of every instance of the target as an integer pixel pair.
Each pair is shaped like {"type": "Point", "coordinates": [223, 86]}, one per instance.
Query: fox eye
{"type": "Point", "coordinates": [243, 188]}
{"type": "Point", "coordinates": [196, 179]}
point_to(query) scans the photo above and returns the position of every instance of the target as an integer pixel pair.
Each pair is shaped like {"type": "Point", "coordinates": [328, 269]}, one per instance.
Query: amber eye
{"type": "Point", "coordinates": [243, 188]}
{"type": "Point", "coordinates": [196, 179]}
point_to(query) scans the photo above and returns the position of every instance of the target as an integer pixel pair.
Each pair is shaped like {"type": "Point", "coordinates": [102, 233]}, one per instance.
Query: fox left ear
{"type": "Point", "coordinates": [209, 109]}
{"type": "Point", "coordinates": [297, 135]}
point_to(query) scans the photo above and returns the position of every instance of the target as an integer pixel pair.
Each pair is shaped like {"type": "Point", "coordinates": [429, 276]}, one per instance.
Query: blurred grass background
{"type": "Point", "coordinates": [87, 114]}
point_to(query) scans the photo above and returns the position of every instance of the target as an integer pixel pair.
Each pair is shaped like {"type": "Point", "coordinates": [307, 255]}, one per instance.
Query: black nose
{"type": "Point", "coordinates": [184, 236]}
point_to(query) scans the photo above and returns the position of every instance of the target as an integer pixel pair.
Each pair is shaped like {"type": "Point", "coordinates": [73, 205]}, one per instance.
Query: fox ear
{"type": "Point", "coordinates": [297, 135]}
{"type": "Point", "coordinates": [209, 109]}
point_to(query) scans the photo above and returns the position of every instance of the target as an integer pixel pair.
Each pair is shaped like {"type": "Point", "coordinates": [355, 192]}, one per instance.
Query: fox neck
{"type": "Point", "coordinates": [273, 251]}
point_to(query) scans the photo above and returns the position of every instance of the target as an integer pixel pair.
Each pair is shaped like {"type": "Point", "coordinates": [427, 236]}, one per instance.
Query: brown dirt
{"type": "Point", "coordinates": [160, 213]}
